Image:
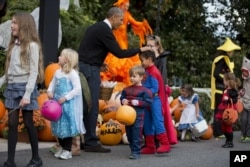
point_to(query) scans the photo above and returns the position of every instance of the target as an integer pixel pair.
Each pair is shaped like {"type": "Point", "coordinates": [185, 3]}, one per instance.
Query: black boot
{"type": "Point", "coordinates": [228, 145]}
{"type": "Point", "coordinates": [229, 141]}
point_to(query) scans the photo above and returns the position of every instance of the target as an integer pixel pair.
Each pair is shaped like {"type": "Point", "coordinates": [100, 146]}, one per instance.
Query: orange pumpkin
{"type": "Point", "coordinates": [178, 111]}
{"type": "Point", "coordinates": [109, 112]}
{"type": "Point", "coordinates": [2, 109]}
{"type": "Point", "coordinates": [229, 116]}
{"type": "Point", "coordinates": [49, 73]}
{"type": "Point", "coordinates": [126, 115]}
{"type": "Point", "coordinates": [45, 134]}
{"type": "Point", "coordinates": [208, 134]}
{"type": "Point", "coordinates": [3, 123]}
{"type": "Point", "coordinates": [42, 98]}
{"type": "Point", "coordinates": [122, 126]}
{"type": "Point", "coordinates": [110, 133]}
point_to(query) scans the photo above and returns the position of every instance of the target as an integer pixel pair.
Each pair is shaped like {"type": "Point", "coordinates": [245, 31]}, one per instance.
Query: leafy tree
{"type": "Point", "coordinates": [186, 34]}
{"type": "Point", "coordinates": [236, 26]}
{"type": "Point", "coordinates": [181, 24]}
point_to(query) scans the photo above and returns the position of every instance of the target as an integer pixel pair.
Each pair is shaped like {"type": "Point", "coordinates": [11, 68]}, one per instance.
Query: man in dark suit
{"type": "Point", "coordinates": [95, 45]}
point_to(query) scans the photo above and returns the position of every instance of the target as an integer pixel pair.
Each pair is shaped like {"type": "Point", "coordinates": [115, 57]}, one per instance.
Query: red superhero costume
{"type": "Point", "coordinates": [171, 132]}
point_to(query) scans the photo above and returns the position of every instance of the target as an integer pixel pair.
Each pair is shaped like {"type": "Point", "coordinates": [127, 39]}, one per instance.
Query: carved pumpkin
{"type": "Point", "coordinates": [110, 133]}
{"type": "Point", "coordinates": [208, 134]}
{"type": "Point", "coordinates": [2, 109]}
{"type": "Point", "coordinates": [122, 126]}
{"type": "Point", "coordinates": [109, 112]}
{"type": "Point", "coordinates": [230, 116]}
{"type": "Point", "coordinates": [126, 115]}
{"type": "Point", "coordinates": [49, 73]}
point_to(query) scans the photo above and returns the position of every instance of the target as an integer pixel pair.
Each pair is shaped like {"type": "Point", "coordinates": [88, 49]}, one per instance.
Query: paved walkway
{"type": "Point", "coordinates": [206, 153]}
{"type": "Point", "coordinates": [23, 146]}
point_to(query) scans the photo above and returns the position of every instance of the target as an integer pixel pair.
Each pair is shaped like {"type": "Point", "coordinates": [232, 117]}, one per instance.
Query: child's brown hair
{"type": "Point", "coordinates": [233, 82]}
{"type": "Point", "coordinates": [188, 88]}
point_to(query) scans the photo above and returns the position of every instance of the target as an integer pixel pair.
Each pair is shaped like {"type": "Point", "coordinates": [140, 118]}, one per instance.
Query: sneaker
{"type": "Point", "coordinates": [59, 152]}
{"type": "Point", "coordinates": [54, 148]}
{"type": "Point", "coordinates": [98, 149]}
{"type": "Point", "coordinates": [221, 136]}
{"type": "Point", "coordinates": [242, 138]}
{"type": "Point", "coordinates": [66, 154]}
{"type": "Point", "coordinates": [246, 140]}
{"type": "Point", "coordinates": [134, 156]}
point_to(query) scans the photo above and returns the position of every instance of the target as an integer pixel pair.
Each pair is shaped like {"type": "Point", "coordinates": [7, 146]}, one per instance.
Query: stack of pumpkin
{"type": "Point", "coordinates": [109, 130]}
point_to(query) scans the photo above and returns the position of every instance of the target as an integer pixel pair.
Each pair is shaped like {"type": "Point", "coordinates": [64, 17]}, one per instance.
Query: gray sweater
{"type": "Point", "coordinates": [23, 73]}
{"type": "Point", "coordinates": [246, 97]}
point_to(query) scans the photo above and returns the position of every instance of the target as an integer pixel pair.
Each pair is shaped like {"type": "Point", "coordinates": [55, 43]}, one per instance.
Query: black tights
{"type": "Point", "coordinates": [12, 134]}
{"type": "Point", "coordinates": [217, 131]}
{"type": "Point", "coordinates": [65, 143]}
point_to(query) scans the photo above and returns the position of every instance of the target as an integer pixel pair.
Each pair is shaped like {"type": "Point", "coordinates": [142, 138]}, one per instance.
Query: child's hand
{"type": "Point", "coordinates": [50, 95]}
{"type": "Point", "coordinates": [24, 102]}
{"type": "Point", "coordinates": [135, 102]}
{"type": "Point", "coordinates": [241, 93]}
{"type": "Point", "coordinates": [62, 100]}
{"type": "Point", "coordinates": [125, 102]}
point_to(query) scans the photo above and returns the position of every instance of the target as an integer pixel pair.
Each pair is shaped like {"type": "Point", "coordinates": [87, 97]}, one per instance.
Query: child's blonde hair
{"type": "Point", "coordinates": [72, 60]}
{"type": "Point", "coordinates": [137, 69]}
{"type": "Point", "coordinates": [27, 33]}
{"type": "Point", "coordinates": [157, 40]}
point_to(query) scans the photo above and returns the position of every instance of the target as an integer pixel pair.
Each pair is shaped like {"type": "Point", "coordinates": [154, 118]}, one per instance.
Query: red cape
{"type": "Point", "coordinates": [171, 132]}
